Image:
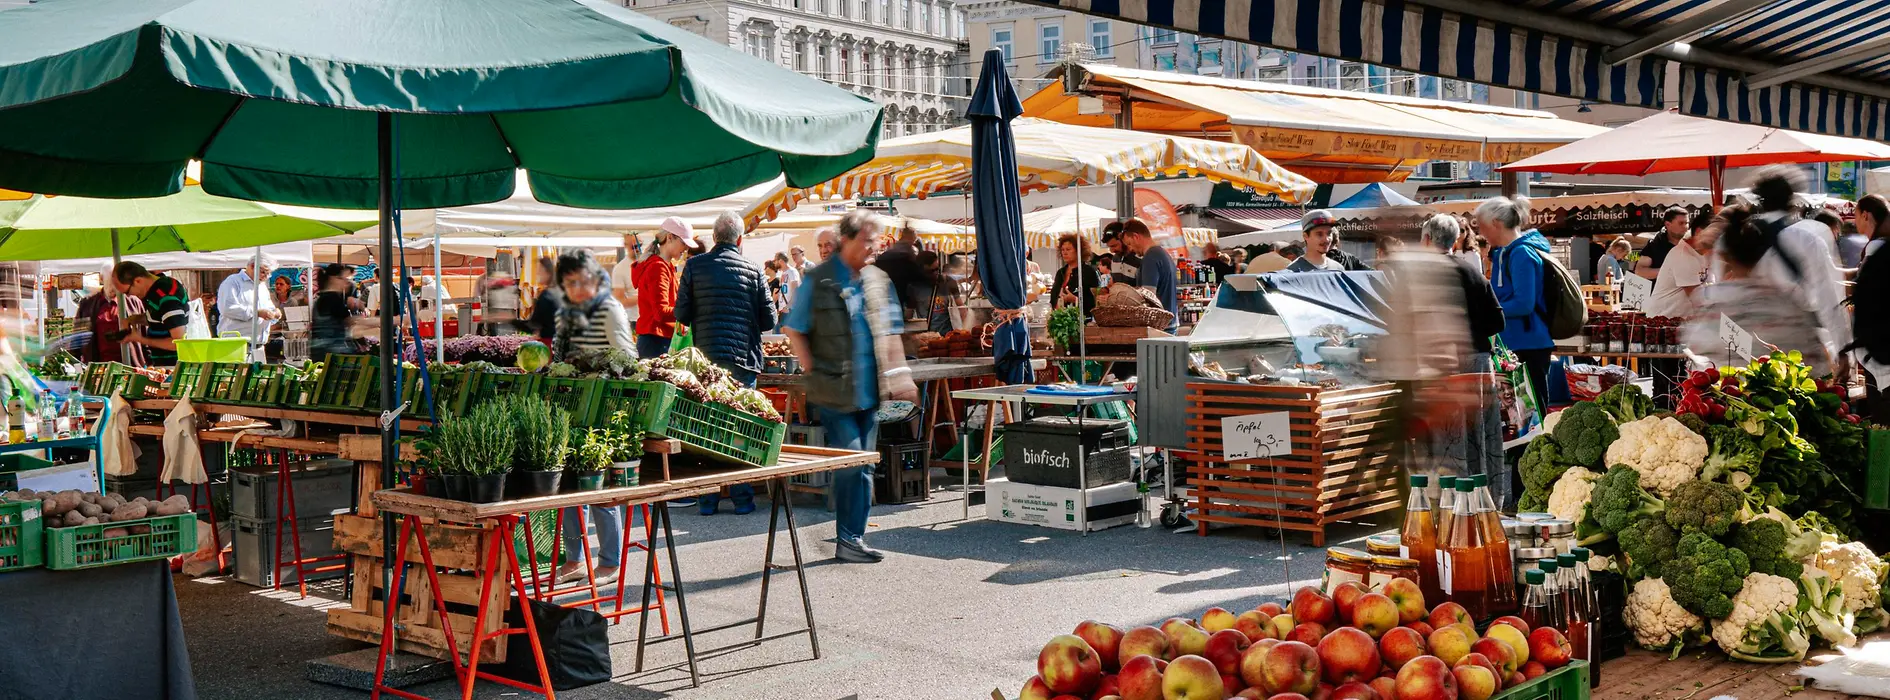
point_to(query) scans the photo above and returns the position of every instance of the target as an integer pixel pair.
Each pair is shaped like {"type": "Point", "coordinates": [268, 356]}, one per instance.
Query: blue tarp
{"type": "Point", "coordinates": [1375, 195]}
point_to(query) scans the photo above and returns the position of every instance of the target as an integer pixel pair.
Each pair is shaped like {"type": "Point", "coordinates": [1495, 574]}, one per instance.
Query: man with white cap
{"type": "Point", "coordinates": [246, 309]}
{"type": "Point", "coordinates": [1321, 242]}
{"type": "Point", "coordinates": [654, 278]}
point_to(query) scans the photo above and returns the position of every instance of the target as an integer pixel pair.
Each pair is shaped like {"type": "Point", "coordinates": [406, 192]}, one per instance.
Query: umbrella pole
{"type": "Point", "coordinates": [255, 304]}
{"type": "Point", "coordinates": [1082, 290]}
{"type": "Point", "coordinates": [439, 305]}
{"type": "Point", "coordinates": [390, 449]}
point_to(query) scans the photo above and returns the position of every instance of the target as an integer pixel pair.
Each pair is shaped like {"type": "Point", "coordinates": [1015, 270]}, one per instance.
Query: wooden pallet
{"type": "Point", "coordinates": [455, 547]}
{"type": "Point", "coordinates": [1342, 464]}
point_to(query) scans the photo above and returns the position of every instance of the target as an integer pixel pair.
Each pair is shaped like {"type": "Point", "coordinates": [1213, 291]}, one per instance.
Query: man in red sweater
{"type": "Point", "coordinates": [654, 278]}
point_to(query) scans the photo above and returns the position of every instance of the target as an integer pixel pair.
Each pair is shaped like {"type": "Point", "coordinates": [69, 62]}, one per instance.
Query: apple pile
{"type": "Point", "coordinates": [1356, 644]}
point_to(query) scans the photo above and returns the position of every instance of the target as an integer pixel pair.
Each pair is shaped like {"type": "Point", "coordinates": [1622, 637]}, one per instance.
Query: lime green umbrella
{"type": "Point", "coordinates": [57, 228]}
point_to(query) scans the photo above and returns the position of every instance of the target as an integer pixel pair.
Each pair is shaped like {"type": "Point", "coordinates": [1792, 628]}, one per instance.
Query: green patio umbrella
{"type": "Point", "coordinates": [58, 228]}
{"type": "Point", "coordinates": [410, 103]}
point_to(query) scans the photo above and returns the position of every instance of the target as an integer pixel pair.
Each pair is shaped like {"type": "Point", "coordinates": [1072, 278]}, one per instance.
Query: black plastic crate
{"type": "Point", "coordinates": [1043, 452]}
{"type": "Point", "coordinates": [903, 474]}
{"type": "Point", "coordinates": [323, 487]}
{"type": "Point", "coordinates": [252, 540]}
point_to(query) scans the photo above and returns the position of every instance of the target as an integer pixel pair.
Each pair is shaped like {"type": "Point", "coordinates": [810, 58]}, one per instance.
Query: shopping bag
{"type": "Point", "coordinates": [198, 328]}
{"type": "Point", "coordinates": [182, 459]}
{"type": "Point", "coordinates": [116, 453]}
{"type": "Point", "coordinates": [684, 338]}
{"type": "Point", "coordinates": [575, 644]}
{"type": "Point", "coordinates": [1516, 395]}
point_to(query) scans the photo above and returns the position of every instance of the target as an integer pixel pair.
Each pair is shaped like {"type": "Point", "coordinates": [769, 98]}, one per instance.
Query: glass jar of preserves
{"type": "Point", "coordinates": [1383, 546]}
{"type": "Point", "coordinates": [1345, 564]}
{"type": "Point", "coordinates": [1386, 568]}
{"type": "Point", "coordinates": [1555, 534]}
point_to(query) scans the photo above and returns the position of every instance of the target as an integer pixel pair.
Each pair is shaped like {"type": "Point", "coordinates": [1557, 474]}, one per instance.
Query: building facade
{"type": "Point", "coordinates": [907, 55]}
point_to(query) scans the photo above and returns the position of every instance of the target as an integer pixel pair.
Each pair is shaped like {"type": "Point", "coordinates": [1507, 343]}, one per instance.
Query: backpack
{"type": "Point", "coordinates": [1564, 308]}
{"type": "Point", "coordinates": [1870, 298]}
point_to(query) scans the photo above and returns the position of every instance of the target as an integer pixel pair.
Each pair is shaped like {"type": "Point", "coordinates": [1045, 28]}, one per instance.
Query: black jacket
{"type": "Point", "coordinates": [1479, 300]}
{"type": "Point", "coordinates": [723, 299]}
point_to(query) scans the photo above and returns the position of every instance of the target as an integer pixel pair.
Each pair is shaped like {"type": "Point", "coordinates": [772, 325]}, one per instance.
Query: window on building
{"type": "Point", "coordinates": [885, 12]}
{"type": "Point", "coordinates": [846, 65]}
{"type": "Point", "coordinates": [826, 63]}
{"type": "Point", "coordinates": [1162, 36]}
{"type": "Point", "coordinates": [958, 23]}
{"type": "Point", "coordinates": [800, 56]}
{"type": "Point", "coordinates": [1001, 40]}
{"type": "Point", "coordinates": [867, 76]}
{"type": "Point", "coordinates": [797, 3]}
{"type": "Point", "coordinates": [1210, 58]}
{"type": "Point", "coordinates": [761, 45]}
{"type": "Point", "coordinates": [892, 71]}
{"type": "Point", "coordinates": [1165, 61]}
{"type": "Point", "coordinates": [1049, 41]}
{"type": "Point", "coordinates": [905, 14]}
{"type": "Point", "coordinates": [912, 75]}
{"type": "Point", "coordinates": [1099, 36]}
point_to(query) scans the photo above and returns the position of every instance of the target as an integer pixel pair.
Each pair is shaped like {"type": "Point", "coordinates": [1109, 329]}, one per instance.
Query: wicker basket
{"type": "Point", "coordinates": [1133, 317]}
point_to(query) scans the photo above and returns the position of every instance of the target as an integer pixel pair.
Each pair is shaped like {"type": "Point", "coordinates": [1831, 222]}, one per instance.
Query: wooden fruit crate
{"type": "Point", "coordinates": [1343, 462]}
{"type": "Point", "coordinates": [456, 547]}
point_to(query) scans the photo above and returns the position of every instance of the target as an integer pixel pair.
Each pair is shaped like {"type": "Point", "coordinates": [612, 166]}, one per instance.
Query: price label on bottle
{"type": "Point", "coordinates": [1256, 436]}
{"type": "Point", "coordinates": [1636, 291]}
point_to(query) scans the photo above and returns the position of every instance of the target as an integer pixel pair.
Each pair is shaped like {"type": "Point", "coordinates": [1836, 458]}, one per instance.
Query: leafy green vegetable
{"type": "Point", "coordinates": [1624, 403]}
{"type": "Point", "coordinates": [1705, 574]}
{"type": "Point", "coordinates": [1065, 325]}
{"type": "Point", "coordinates": [1585, 433]}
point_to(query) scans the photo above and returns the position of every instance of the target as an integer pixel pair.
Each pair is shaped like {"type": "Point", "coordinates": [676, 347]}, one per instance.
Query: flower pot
{"type": "Point", "coordinates": [420, 483]}
{"type": "Point", "coordinates": [625, 473]}
{"type": "Point", "coordinates": [485, 488]}
{"type": "Point", "coordinates": [584, 481]}
{"type": "Point", "coordinates": [455, 486]}
{"type": "Point", "coordinates": [531, 484]}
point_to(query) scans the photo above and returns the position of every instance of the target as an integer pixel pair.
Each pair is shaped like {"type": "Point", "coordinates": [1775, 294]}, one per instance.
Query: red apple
{"type": "Point", "coordinates": [1387, 687]}
{"type": "Point", "coordinates": [1224, 648]}
{"type": "Point", "coordinates": [1191, 677]}
{"type": "Point", "coordinates": [1141, 678]}
{"type": "Point", "coordinates": [1347, 654]}
{"type": "Point", "coordinates": [1308, 633]}
{"type": "Point", "coordinates": [1448, 612]}
{"type": "Point", "coordinates": [1533, 669]}
{"type": "Point", "coordinates": [1271, 608]}
{"type": "Point", "coordinates": [1515, 678]}
{"type": "Point", "coordinates": [1105, 639]}
{"type": "Point", "coordinates": [1476, 659]}
{"type": "Point", "coordinates": [1035, 689]}
{"type": "Point", "coordinates": [1251, 693]}
{"type": "Point", "coordinates": [1344, 595]}
{"type": "Point", "coordinates": [1253, 663]}
{"type": "Point", "coordinates": [1449, 643]}
{"type": "Point", "coordinates": [1067, 697]}
{"type": "Point", "coordinates": [1289, 696]}
{"type": "Point", "coordinates": [1475, 682]}
{"type": "Point", "coordinates": [1501, 655]}
{"type": "Point", "coordinates": [1142, 640]}
{"type": "Point", "coordinates": [1069, 666]}
{"type": "Point", "coordinates": [1512, 621]}
{"type": "Point", "coordinates": [1255, 624]}
{"type": "Point", "coordinates": [1110, 685]}
{"type": "Point", "coordinates": [1184, 637]}
{"type": "Point", "coordinates": [1217, 619]}
{"type": "Point", "coordinates": [1422, 627]}
{"type": "Point", "coordinates": [1408, 596]}
{"type": "Point", "coordinates": [1426, 678]}
{"type": "Point", "coordinates": [1354, 691]}
{"type": "Point", "coordinates": [1231, 684]}
{"type": "Point", "coordinates": [1310, 605]}
{"type": "Point", "coordinates": [1514, 636]}
{"type": "Point", "coordinates": [1323, 692]}
{"type": "Point", "coordinates": [1290, 667]}
{"type": "Point", "coordinates": [1547, 645]}
{"type": "Point", "coordinates": [1374, 613]}
{"type": "Point", "coordinates": [1400, 645]}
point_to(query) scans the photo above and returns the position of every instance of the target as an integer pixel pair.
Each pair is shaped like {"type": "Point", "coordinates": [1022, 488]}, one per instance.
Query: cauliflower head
{"type": "Point", "coordinates": [1658, 622]}
{"type": "Point", "coordinates": [1856, 570]}
{"type": "Point", "coordinates": [1549, 422]}
{"type": "Point", "coordinates": [1764, 626]}
{"type": "Point", "coordinates": [1571, 493]}
{"type": "Point", "coordinates": [1663, 450]}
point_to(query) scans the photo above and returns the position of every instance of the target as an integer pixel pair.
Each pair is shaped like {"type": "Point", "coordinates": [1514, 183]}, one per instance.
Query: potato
{"type": "Point", "coordinates": [116, 532]}
{"type": "Point", "coordinates": [70, 499]}
{"type": "Point", "coordinates": [26, 493]}
{"type": "Point", "coordinates": [179, 499]}
{"type": "Point", "coordinates": [117, 500]}
{"type": "Point", "coordinates": [73, 518]}
{"type": "Point", "coordinates": [49, 507]}
{"type": "Point", "coordinates": [140, 529]}
{"type": "Point", "coordinates": [140, 499]}
{"type": "Point", "coordinates": [90, 510]}
{"type": "Point", "coordinates": [90, 521]}
{"type": "Point", "coordinates": [129, 511]}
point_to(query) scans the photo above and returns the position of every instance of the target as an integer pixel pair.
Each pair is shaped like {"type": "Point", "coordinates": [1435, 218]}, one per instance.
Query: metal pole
{"type": "Point", "coordinates": [439, 308]}
{"type": "Point", "coordinates": [1082, 291]}
{"type": "Point", "coordinates": [390, 449]}
{"type": "Point", "coordinates": [257, 336]}
{"type": "Point", "coordinates": [124, 310]}
{"type": "Point", "coordinates": [1125, 190]}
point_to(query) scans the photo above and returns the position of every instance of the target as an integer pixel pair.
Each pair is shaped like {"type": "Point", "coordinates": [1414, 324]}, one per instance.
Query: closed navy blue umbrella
{"type": "Point", "coordinates": [998, 212]}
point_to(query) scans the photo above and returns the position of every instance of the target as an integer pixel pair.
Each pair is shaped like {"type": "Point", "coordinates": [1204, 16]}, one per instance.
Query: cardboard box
{"type": "Point", "coordinates": [1049, 506]}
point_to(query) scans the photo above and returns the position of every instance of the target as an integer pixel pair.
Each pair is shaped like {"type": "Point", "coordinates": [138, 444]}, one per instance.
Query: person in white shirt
{"type": "Point", "coordinates": [247, 309]}
{"type": "Point", "coordinates": [1677, 283]}
{"type": "Point", "coordinates": [1799, 260]}
{"type": "Point", "coordinates": [620, 284]}
{"type": "Point", "coordinates": [790, 275]}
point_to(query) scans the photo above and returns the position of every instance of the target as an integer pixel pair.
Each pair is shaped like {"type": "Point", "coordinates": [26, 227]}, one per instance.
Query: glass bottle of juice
{"type": "Point", "coordinates": [1552, 589]}
{"type": "Point", "coordinates": [1465, 557]}
{"type": "Point", "coordinates": [1575, 616]}
{"type": "Point", "coordinates": [1446, 504]}
{"type": "Point", "coordinates": [1591, 598]}
{"type": "Point", "coordinates": [1502, 595]}
{"type": "Point", "coordinates": [1535, 602]}
{"type": "Point", "coordinates": [1418, 539]}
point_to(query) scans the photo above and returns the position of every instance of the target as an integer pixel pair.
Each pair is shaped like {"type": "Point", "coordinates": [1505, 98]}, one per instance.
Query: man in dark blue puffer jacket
{"type": "Point", "coordinates": [723, 298]}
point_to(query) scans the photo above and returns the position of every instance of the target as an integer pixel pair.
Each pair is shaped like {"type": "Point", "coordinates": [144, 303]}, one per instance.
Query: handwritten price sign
{"type": "Point", "coordinates": [1737, 340]}
{"type": "Point", "coordinates": [1636, 291]}
{"type": "Point", "coordinates": [1256, 435]}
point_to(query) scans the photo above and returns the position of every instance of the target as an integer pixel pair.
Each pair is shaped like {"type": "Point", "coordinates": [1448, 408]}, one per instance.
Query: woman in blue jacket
{"type": "Point", "coordinates": [1516, 275]}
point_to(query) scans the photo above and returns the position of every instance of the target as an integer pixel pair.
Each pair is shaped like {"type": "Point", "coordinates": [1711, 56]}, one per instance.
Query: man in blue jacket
{"type": "Point", "coordinates": [723, 299]}
{"type": "Point", "coordinates": [1516, 275]}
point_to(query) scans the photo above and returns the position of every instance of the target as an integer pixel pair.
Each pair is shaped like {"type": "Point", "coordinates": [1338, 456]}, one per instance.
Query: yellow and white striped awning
{"type": "Point", "coordinates": [1049, 155]}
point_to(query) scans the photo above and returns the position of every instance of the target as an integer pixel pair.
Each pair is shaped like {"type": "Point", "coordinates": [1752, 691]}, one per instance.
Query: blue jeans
{"type": "Point", "coordinates": [852, 486]}
{"type": "Point", "coordinates": [652, 345]}
{"type": "Point", "coordinates": [609, 524]}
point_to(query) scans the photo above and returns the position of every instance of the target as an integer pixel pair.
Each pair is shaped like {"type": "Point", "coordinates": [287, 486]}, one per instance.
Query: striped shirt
{"type": "Point", "coordinates": [606, 326]}
{"type": "Point", "coordinates": [166, 306]}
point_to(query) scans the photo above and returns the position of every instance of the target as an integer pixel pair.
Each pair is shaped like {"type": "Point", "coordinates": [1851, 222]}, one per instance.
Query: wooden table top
{"type": "Point", "coordinates": [298, 444]}
{"type": "Point", "coordinates": [306, 415]}
{"type": "Point", "coordinates": [687, 481]}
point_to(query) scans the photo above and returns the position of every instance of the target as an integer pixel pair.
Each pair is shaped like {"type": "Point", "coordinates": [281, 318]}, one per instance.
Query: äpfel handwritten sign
{"type": "Point", "coordinates": [1636, 291]}
{"type": "Point", "coordinates": [1256, 436]}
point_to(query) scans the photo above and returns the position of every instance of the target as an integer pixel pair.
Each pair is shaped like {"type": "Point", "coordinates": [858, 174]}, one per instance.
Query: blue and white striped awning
{"type": "Point", "coordinates": [1810, 65]}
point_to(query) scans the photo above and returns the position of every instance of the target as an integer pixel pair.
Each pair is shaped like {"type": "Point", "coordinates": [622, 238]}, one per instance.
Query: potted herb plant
{"type": "Point", "coordinates": [543, 434]}
{"type": "Point", "coordinates": [590, 459]}
{"type": "Point", "coordinates": [626, 454]}
{"type": "Point", "coordinates": [477, 449]}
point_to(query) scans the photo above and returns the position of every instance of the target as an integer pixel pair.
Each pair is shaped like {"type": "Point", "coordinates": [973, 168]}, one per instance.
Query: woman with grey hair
{"type": "Point", "coordinates": [1517, 259]}
{"type": "Point", "coordinates": [1474, 440]}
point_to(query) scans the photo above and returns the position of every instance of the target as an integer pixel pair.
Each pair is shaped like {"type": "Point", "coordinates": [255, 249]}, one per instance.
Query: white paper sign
{"type": "Point", "coordinates": [1636, 291]}
{"type": "Point", "coordinates": [1734, 337]}
{"type": "Point", "coordinates": [1256, 435]}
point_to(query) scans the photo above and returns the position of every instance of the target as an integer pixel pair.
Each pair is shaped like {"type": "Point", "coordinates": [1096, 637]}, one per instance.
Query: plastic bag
{"type": "Point", "coordinates": [199, 326]}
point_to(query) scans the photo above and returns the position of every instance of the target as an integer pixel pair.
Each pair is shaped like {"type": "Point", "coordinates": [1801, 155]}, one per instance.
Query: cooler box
{"type": "Point", "coordinates": [1043, 451]}
{"type": "Point", "coordinates": [225, 349]}
{"type": "Point", "coordinates": [1048, 506]}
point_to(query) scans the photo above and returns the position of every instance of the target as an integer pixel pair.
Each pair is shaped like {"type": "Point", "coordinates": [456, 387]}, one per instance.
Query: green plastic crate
{"type": "Point", "coordinates": [490, 386]}
{"type": "Point", "coordinates": [346, 381]}
{"type": "Point", "coordinates": [648, 403]}
{"type": "Point", "coordinates": [1566, 683]}
{"type": "Point", "coordinates": [227, 381]}
{"type": "Point", "coordinates": [14, 462]}
{"type": "Point", "coordinates": [576, 396]}
{"type": "Point", "coordinates": [22, 536]}
{"type": "Point", "coordinates": [408, 387]}
{"type": "Point", "coordinates": [97, 377]}
{"type": "Point", "coordinates": [189, 380]}
{"type": "Point", "coordinates": [725, 432]}
{"type": "Point", "coordinates": [86, 546]}
{"type": "Point", "coordinates": [267, 385]}
{"type": "Point", "coordinates": [131, 383]}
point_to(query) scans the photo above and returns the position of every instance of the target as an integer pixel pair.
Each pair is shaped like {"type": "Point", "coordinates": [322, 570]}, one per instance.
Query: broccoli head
{"type": "Point", "coordinates": [1585, 433]}
{"type": "Point", "coordinates": [1704, 575]}
{"type": "Point", "coordinates": [1541, 465]}
{"type": "Point", "coordinates": [1693, 422]}
{"type": "Point", "coordinates": [1729, 450]}
{"type": "Point", "coordinates": [1649, 544]}
{"type": "Point", "coordinates": [1618, 500]}
{"type": "Point", "coordinates": [1764, 541]}
{"type": "Point", "coordinates": [1708, 506]}
{"type": "Point", "coordinates": [1625, 403]}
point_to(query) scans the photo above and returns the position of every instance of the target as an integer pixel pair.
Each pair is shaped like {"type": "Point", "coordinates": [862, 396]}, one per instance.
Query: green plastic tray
{"type": "Point", "coordinates": [648, 403]}
{"type": "Point", "coordinates": [490, 386]}
{"type": "Point", "coordinates": [1566, 683]}
{"type": "Point", "coordinates": [86, 546]}
{"type": "Point", "coordinates": [227, 381]}
{"type": "Point", "coordinates": [22, 536]}
{"type": "Point", "coordinates": [576, 396]}
{"type": "Point", "coordinates": [346, 381]}
{"type": "Point", "coordinates": [189, 380]}
{"type": "Point", "coordinates": [725, 432]}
